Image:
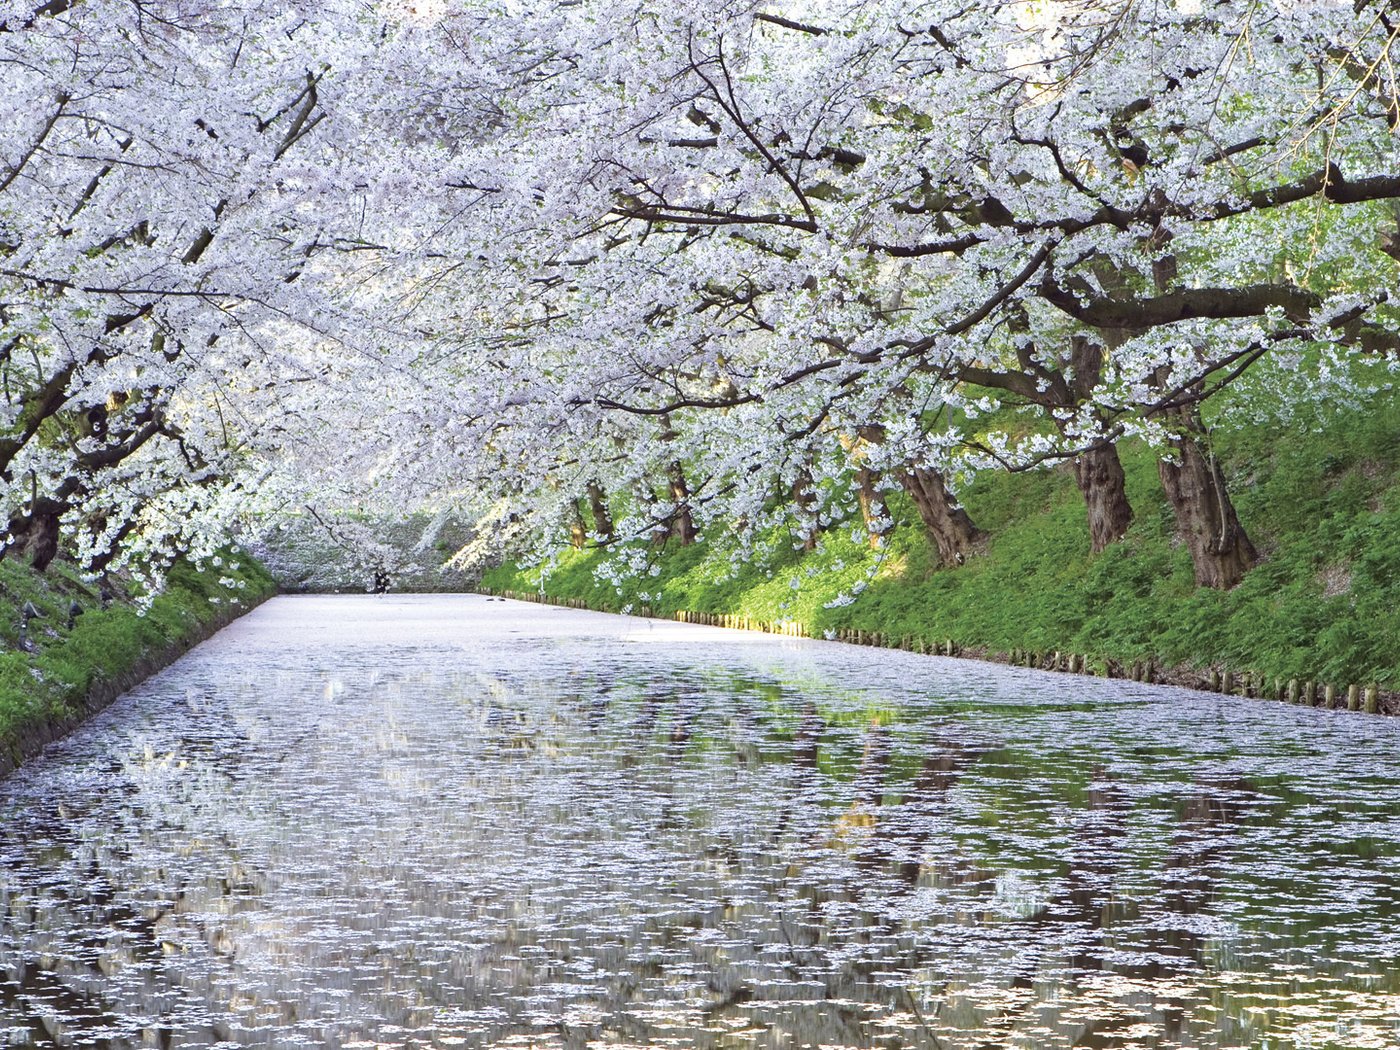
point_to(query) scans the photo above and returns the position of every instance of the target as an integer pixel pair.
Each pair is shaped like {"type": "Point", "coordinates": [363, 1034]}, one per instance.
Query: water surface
{"type": "Point", "coordinates": [442, 821]}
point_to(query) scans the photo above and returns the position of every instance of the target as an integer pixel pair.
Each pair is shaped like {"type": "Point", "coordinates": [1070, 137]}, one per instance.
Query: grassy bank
{"type": "Point", "coordinates": [50, 683]}
{"type": "Point", "coordinates": [1322, 505]}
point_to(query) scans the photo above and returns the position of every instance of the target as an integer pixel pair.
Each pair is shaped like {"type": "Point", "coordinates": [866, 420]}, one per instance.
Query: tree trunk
{"type": "Point", "coordinates": [578, 531]}
{"type": "Point", "coordinates": [682, 524]}
{"type": "Point", "coordinates": [102, 559]}
{"type": "Point", "coordinates": [872, 507]}
{"type": "Point", "coordinates": [660, 526]}
{"type": "Point", "coordinates": [1221, 552]}
{"type": "Point", "coordinates": [1100, 476]}
{"type": "Point", "coordinates": [805, 499]}
{"type": "Point", "coordinates": [598, 503]}
{"type": "Point", "coordinates": [35, 535]}
{"type": "Point", "coordinates": [949, 526]}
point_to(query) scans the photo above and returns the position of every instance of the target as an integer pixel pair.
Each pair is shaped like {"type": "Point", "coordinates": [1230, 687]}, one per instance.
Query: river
{"type": "Point", "coordinates": [441, 821]}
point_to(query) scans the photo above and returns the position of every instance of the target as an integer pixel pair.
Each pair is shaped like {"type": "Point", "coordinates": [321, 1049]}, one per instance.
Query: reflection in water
{"type": "Point", "coordinates": [357, 822]}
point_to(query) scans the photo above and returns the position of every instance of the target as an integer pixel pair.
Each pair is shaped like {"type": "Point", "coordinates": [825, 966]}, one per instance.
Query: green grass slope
{"type": "Point", "coordinates": [48, 687]}
{"type": "Point", "coordinates": [1322, 506]}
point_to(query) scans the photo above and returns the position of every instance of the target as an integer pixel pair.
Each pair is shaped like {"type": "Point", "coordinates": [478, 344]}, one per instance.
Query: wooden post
{"type": "Point", "coordinates": [1295, 692]}
{"type": "Point", "coordinates": [1353, 697]}
{"type": "Point", "coordinates": [1329, 696]}
{"type": "Point", "coordinates": [1310, 693]}
{"type": "Point", "coordinates": [1372, 705]}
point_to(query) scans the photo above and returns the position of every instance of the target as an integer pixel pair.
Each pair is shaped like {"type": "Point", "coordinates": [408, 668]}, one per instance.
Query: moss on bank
{"type": "Point", "coordinates": [1323, 506]}
{"type": "Point", "coordinates": [48, 684]}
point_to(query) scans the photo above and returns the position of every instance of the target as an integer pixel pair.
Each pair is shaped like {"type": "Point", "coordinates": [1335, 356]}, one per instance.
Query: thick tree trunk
{"type": "Point", "coordinates": [1100, 476]}
{"type": "Point", "coordinates": [578, 531]}
{"type": "Point", "coordinates": [104, 558]}
{"type": "Point", "coordinates": [805, 500]}
{"type": "Point", "coordinates": [682, 524]}
{"type": "Point", "coordinates": [949, 526]}
{"type": "Point", "coordinates": [872, 507]}
{"type": "Point", "coordinates": [35, 535]}
{"type": "Point", "coordinates": [602, 518]}
{"type": "Point", "coordinates": [1221, 552]}
{"type": "Point", "coordinates": [661, 526]}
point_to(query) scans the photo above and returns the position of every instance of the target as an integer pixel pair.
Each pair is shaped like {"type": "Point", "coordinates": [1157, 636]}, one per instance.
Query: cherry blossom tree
{"type": "Point", "coordinates": [163, 201]}
{"type": "Point", "coordinates": [610, 271]}
{"type": "Point", "coordinates": [875, 218]}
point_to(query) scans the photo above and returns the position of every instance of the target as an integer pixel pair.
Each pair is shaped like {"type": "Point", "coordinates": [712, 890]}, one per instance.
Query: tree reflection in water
{"type": "Point", "coordinates": [404, 822]}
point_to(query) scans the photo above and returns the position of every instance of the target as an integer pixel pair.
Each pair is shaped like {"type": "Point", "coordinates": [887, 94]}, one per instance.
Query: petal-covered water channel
{"type": "Point", "coordinates": [450, 821]}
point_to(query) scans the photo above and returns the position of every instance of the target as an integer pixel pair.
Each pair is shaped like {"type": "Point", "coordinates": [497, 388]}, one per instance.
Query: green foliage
{"type": "Point", "coordinates": [1322, 505]}
{"type": "Point", "coordinates": [103, 643]}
